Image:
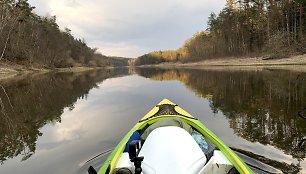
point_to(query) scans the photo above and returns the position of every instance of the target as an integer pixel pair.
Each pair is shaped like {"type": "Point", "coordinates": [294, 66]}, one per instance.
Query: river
{"type": "Point", "coordinates": [54, 123]}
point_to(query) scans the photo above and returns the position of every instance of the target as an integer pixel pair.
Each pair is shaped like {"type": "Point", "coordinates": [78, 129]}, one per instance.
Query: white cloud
{"type": "Point", "coordinates": [112, 49]}
{"type": "Point", "coordinates": [131, 27]}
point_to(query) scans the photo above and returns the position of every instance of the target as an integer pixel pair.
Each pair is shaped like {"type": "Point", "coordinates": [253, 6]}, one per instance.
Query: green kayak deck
{"type": "Point", "coordinates": [169, 110]}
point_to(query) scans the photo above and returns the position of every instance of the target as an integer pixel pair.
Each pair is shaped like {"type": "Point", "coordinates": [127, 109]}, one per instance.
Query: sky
{"type": "Point", "coordinates": [130, 28]}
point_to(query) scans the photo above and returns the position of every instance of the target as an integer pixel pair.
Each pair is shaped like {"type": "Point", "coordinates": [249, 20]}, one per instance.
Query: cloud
{"type": "Point", "coordinates": [131, 27]}
{"type": "Point", "coordinates": [117, 48]}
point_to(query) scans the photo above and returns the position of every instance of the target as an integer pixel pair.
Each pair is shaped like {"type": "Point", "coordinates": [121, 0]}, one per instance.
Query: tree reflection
{"type": "Point", "coordinates": [262, 106]}
{"type": "Point", "coordinates": [29, 103]}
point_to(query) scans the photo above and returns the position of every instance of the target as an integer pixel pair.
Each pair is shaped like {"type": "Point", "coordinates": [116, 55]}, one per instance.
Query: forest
{"type": "Point", "coordinates": [270, 28]}
{"type": "Point", "coordinates": [243, 28]}
{"type": "Point", "coordinates": [37, 41]}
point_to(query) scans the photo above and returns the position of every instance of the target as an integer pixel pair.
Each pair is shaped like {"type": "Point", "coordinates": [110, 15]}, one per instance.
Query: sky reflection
{"type": "Point", "coordinates": [97, 122]}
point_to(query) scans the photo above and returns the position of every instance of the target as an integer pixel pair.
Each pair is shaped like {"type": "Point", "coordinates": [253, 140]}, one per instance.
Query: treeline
{"type": "Point", "coordinates": [120, 61]}
{"type": "Point", "coordinates": [249, 28]}
{"type": "Point", "coordinates": [33, 40]}
{"type": "Point", "coordinates": [157, 57]}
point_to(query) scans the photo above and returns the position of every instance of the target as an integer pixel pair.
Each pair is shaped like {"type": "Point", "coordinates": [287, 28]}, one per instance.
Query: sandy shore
{"type": "Point", "coordinates": [294, 63]}
{"type": "Point", "coordinates": [256, 61]}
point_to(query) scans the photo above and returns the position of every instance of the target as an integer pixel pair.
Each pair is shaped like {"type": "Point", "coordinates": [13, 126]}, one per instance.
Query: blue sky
{"type": "Point", "coordinates": [131, 28]}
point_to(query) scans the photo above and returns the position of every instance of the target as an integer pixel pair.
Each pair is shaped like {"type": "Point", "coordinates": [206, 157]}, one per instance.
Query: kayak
{"type": "Point", "coordinates": [170, 140]}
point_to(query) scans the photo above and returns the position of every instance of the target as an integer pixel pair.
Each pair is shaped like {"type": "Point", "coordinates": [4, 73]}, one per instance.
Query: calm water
{"type": "Point", "coordinates": [54, 123]}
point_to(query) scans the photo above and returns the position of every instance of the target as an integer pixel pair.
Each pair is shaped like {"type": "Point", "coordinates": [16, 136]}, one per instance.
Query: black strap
{"type": "Point", "coordinates": [91, 170]}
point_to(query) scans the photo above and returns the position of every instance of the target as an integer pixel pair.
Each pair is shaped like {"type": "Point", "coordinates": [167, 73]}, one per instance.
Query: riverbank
{"type": "Point", "coordinates": [244, 61]}
{"type": "Point", "coordinates": [296, 63]}
{"type": "Point", "coordinates": [10, 70]}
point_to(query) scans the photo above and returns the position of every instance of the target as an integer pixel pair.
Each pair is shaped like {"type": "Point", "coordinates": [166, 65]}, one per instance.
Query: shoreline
{"type": "Point", "coordinates": [255, 61]}
{"type": "Point", "coordinates": [11, 70]}
{"type": "Point", "coordinates": [243, 61]}
{"type": "Point", "coordinates": [294, 63]}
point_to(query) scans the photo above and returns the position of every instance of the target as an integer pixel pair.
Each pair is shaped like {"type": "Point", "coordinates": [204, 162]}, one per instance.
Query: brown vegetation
{"type": "Point", "coordinates": [244, 28]}
{"type": "Point", "coordinates": [37, 41]}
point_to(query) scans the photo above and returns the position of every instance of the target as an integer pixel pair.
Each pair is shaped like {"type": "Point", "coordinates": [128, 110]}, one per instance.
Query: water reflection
{"type": "Point", "coordinates": [34, 101]}
{"type": "Point", "coordinates": [262, 106]}
{"type": "Point", "coordinates": [55, 122]}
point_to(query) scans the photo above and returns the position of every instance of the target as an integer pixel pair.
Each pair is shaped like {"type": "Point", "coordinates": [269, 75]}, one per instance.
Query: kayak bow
{"type": "Point", "coordinates": [167, 109]}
